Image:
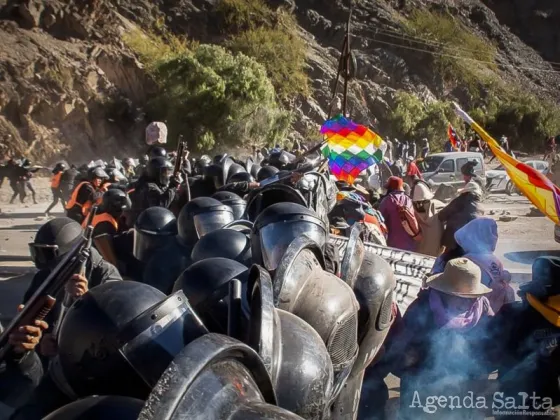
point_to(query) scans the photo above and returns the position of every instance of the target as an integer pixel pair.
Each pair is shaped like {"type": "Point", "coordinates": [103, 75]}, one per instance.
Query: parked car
{"type": "Point", "coordinates": [498, 179]}
{"type": "Point", "coordinates": [445, 168]}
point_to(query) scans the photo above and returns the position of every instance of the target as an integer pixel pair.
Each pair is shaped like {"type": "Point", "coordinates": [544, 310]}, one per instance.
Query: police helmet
{"type": "Point", "coordinates": [59, 167]}
{"type": "Point", "coordinates": [206, 285]}
{"type": "Point", "coordinates": [53, 240]}
{"type": "Point", "coordinates": [115, 201]}
{"type": "Point", "coordinates": [278, 225]}
{"type": "Point", "coordinates": [233, 169]}
{"type": "Point", "coordinates": [98, 173]}
{"type": "Point", "coordinates": [266, 172]}
{"type": "Point", "coordinates": [159, 170]}
{"type": "Point", "coordinates": [241, 177]}
{"type": "Point", "coordinates": [119, 338]}
{"type": "Point", "coordinates": [225, 243]}
{"type": "Point", "coordinates": [216, 173]}
{"type": "Point", "coordinates": [187, 390]}
{"type": "Point", "coordinates": [157, 151]}
{"type": "Point", "coordinates": [232, 200]}
{"type": "Point", "coordinates": [99, 408]}
{"type": "Point", "coordinates": [153, 229]}
{"type": "Point", "coordinates": [200, 216]}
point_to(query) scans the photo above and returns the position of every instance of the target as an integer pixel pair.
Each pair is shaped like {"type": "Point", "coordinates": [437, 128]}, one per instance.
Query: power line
{"type": "Point", "coordinates": [394, 33]}
{"type": "Point", "coordinates": [434, 53]}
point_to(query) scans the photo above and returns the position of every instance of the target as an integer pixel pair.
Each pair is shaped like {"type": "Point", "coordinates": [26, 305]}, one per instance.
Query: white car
{"type": "Point", "coordinates": [498, 179]}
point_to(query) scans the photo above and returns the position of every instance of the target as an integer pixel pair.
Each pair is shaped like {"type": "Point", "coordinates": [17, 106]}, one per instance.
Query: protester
{"type": "Point", "coordinates": [392, 206]}
{"type": "Point", "coordinates": [426, 209]}
{"type": "Point", "coordinates": [478, 239]}
{"type": "Point", "coordinates": [522, 342]}
{"type": "Point", "coordinates": [441, 340]}
{"type": "Point", "coordinates": [460, 211]}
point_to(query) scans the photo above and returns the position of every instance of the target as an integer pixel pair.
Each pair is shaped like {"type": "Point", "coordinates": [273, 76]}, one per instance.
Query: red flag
{"type": "Point", "coordinates": [453, 137]}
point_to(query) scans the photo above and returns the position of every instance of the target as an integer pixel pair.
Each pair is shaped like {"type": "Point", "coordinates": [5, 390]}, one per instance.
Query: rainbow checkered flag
{"type": "Point", "coordinates": [350, 148]}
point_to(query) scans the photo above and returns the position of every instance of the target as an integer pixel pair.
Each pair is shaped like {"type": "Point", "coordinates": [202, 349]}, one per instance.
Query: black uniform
{"type": "Point", "coordinates": [98, 271]}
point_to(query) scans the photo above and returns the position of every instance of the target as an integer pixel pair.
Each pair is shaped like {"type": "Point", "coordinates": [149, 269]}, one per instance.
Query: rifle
{"type": "Point", "coordinates": [82, 258]}
{"type": "Point", "coordinates": [181, 147]}
{"type": "Point", "coordinates": [43, 300]}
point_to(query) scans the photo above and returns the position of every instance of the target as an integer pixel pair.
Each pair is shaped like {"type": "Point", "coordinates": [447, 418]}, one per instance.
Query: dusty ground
{"type": "Point", "coordinates": [521, 240]}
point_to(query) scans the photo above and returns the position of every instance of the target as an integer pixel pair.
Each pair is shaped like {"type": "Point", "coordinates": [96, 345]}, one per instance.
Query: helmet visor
{"type": "Point", "coordinates": [43, 255]}
{"type": "Point", "coordinates": [207, 222]}
{"type": "Point", "coordinates": [154, 338]}
{"type": "Point", "coordinates": [275, 239]}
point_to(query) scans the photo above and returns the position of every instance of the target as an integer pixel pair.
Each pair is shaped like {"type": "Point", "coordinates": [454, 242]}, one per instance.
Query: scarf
{"type": "Point", "coordinates": [449, 319]}
{"type": "Point", "coordinates": [550, 309]}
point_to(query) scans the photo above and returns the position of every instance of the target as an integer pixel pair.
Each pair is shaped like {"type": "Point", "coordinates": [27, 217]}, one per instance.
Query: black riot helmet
{"type": "Point", "coordinates": [278, 225]}
{"type": "Point", "coordinates": [202, 163]}
{"type": "Point", "coordinates": [53, 240]}
{"type": "Point", "coordinates": [206, 285]}
{"type": "Point", "coordinates": [119, 338]}
{"type": "Point", "coordinates": [98, 173]}
{"type": "Point", "coordinates": [254, 170]}
{"type": "Point", "coordinates": [266, 172]}
{"type": "Point", "coordinates": [241, 177]}
{"type": "Point", "coordinates": [115, 201]}
{"type": "Point", "coordinates": [233, 169]}
{"type": "Point", "coordinates": [159, 170]}
{"type": "Point", "coordinates": [292, 351]}
{"type": "Point", "coordinates": [157, 151]}
{"type": "Point", "coordinates": [225, 243]}
{"type": "Point", "coordinates": [215, 377]}
{"type": "Point", "coordinates": [232, 200]}
{"type": "Point", "coordinates": [200, 216]}
{"type": "Point", "coordinates": [99, 408]}
{"type": "Point", "coordinates": [216, 173]}
{"type": "Point", "coordinates": [154, 227]}
{"type": "Point", "coordinates": [59, 167]}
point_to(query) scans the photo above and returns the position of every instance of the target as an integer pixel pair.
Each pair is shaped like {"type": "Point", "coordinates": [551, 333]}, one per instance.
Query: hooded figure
{"type": "Point", "coordinates": [426, 209]}
{"type": "Point", "coordinates": [479, 238]}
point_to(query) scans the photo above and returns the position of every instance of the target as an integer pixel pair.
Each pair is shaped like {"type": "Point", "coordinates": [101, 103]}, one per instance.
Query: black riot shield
{"type": "Point", "coordinates": [353, 256]}
{"type": "Point", "coordinates": [226, 165]}
{"type": "Point", "coordinates": [215, 377]}
{"type": "Point", "coordinates": [260, 199]}
{"type": "Point", "coordinates": [295, 355]}
{"type": "Point", "coordinates": [304, 288]}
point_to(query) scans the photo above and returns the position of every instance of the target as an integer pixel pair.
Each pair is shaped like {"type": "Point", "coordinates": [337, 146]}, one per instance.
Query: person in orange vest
{"type": "Point", "coordinates": [113, 205]}
{"type": "Point", "coordinates": [85, 195]}
{"type": "Point", "coordinates": [56, 187]}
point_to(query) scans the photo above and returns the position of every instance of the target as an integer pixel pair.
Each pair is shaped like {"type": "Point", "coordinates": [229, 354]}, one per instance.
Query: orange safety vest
{"type": "Point", "coordinates": [74, 197]}
{"type": "Point", "coordinates": [55, 180]}
{"type": "Point", "coordinates": [103, 217]}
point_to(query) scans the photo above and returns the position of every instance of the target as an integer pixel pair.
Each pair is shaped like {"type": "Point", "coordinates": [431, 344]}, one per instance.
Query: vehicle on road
{"type": "Point", "coordinates": [445, 168]}
{"type": "Point", "coordinates": [497, 180]}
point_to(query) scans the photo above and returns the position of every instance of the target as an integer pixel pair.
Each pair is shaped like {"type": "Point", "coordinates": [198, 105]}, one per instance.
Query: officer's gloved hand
{"type": "Point", "coordinates": [176, 180]}
{"type": "Point", "coordinates": [27, 337]}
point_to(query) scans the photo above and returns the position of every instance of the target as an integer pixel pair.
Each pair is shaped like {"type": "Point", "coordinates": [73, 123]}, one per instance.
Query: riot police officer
{"type": "Point", "coordinates": [52, 241]}
{"type": "Point", "coordinates": [157, 188]}
{"type": "Point", "coordinates": [117, 339]}
{"type": "Point", "coordinates": [85, 194]}
{"type": "Point", "coordinates": [56, 189]}
{"type": "Point", "coordinates": [106, 221]}
{"type": "Point", "coordinates": [232, 200]}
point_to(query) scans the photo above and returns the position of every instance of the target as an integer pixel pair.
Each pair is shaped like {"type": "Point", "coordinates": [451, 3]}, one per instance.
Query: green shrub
{"type": "Point", "coordinates": [245, 14]}
{"type": "Point", "coordinates": [213, 97]}
{"type": "Point", "coordinates": [455, 39]}
{"type": "Point", "coordinates": [281, 53]}
{"type": "Point", "coordinates": [413, 120]}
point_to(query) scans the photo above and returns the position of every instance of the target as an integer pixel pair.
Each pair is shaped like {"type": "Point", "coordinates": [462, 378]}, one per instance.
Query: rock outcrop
{"type": "Point", "coordinates": [69, 86]}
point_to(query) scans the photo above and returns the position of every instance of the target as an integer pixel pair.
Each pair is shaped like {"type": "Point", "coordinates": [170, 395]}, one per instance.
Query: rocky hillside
{"type": "Point", "coordinates": [70, 86]}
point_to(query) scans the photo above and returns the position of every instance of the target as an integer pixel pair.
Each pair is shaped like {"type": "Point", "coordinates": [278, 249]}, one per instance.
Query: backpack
{"type": "Point", "coordinates": [409, 222]}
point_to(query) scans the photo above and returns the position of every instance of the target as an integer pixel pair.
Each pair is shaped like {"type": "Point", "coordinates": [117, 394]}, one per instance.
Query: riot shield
{"type": "Point", "coordinates": [271, 194]}
{"type": "Point", "coordinates": [352, 260]}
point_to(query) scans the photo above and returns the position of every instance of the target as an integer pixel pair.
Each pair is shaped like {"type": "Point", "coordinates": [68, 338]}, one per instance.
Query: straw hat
{"type": "Point", "coordinates": [422, 192]}
{"type": "Point", "coordinates": [471, 187]}
{"type": "Point", "coordinates": [461, 277]}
